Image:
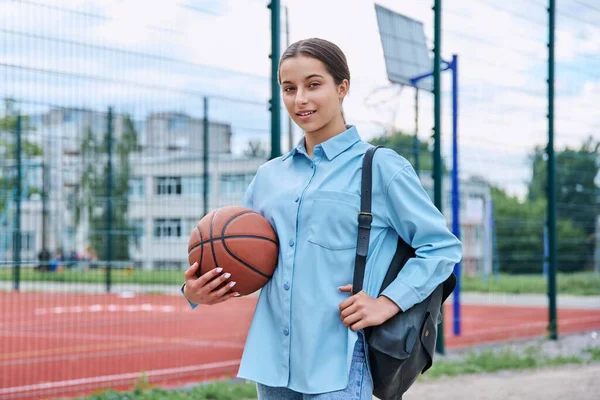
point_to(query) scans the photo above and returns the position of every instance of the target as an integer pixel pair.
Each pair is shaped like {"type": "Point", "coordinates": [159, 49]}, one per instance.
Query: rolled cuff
{"type": "Point", "coordinates": [193, 305]}
{"type": "Point", "coordinates": [402, 294]}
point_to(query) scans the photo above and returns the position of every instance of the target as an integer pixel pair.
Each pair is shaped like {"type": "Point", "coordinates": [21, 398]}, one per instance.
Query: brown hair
{"type": "Point", "coordinates": [328, 53]}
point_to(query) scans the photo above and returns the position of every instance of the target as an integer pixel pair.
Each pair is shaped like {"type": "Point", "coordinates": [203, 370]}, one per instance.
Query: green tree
{"type": "Point", "coordinates": [92, 192]}
{"type": "Point", "coordinates": [8, 154]}
{"type": "Point", "coordinates": [576, 189]}
{"type": "Point", "coordinates": [519, 233]}
{"type": "Point", "coordinates": [520, 236]}
{"type": "Point", "coordinates": [255, 149]}
{"type": "Point", "coordinates": [404, 144]}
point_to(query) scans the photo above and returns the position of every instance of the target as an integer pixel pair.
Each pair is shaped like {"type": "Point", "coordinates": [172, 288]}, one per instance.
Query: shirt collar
{"type": "Point", "coordinates": [332, 147]}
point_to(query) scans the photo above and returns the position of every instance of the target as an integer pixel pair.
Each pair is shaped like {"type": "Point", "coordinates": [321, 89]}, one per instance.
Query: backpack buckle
{"type": "Point", "coordinates": [364, 220]}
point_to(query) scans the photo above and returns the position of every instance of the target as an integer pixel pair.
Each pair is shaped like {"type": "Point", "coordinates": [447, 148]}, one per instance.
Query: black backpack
{"type": "Point", "coordinates": [402, 347]}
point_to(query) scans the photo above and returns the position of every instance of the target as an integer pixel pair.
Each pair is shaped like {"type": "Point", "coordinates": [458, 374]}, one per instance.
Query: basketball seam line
{"type": "Point", "coordinates": [231, 253]}
{"type": "Point", "coordinates": [237, 216]}
{"type": "Point", "coordinates": [244, 262]}
{"type": "Point", "coordinates": [201, 249]}
{"type": "Point", "coordinates": [222, 238]}
{"type": "Point", "coordinates": [231, 237]}
{"type": "Point", "coordinates": [232, 218]}
{"type": "Point", "coordinates": [212, 246]}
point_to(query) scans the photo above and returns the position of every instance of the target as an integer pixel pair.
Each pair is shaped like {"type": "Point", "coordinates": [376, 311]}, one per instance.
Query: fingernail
{"type": "Point", "coordinates": [236, 295]}
{"type": "Point", "coordinates": [232, 284]}
{"type": "Point", "coordinates": [219, 270]}
{"type": "Point", "coordinates": [227, 275]}
{"type": "Point", "coordinates": [196, 263]}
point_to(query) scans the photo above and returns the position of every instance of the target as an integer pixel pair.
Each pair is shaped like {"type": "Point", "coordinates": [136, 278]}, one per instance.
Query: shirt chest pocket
{"type": "Point", "coordinates": [333, 220]}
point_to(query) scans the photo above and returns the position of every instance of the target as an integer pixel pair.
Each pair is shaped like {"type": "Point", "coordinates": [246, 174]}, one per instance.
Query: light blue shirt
{"type": "Point", "coordinates": [296, 338]}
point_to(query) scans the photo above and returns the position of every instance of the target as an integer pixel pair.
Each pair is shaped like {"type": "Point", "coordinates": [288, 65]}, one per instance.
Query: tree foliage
{"type": "Point", "coordinates": [520, 225]}
{"type": "Point", "coordinates": [8, 155]}
{"type": "Point", "coordinates": [404, 144]}
{"type": "Point", "coordinates": [92, 190]}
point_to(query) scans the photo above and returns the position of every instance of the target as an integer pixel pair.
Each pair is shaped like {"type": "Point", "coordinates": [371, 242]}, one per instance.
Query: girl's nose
{"type": "Point", "coordinates": [301, 98]}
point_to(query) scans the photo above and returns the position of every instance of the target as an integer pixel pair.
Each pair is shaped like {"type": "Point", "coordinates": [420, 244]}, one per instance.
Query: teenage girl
{"type": "Point", "coordinates": [306, 338]}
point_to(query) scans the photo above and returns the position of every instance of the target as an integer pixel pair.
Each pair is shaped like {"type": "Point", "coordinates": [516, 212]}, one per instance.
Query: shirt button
{"type": "Point", "coordinates": [286, 286]}
{"type": "Point", "coordinates": [286, 332]}
{"type": "Point", "coordinates": [291, 242]}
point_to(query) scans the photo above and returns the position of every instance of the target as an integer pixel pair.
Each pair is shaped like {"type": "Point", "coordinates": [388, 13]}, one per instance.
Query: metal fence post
{"type": "Point", "coordinates": [416, 144]}
{"type": "Point", "coordinates": [275, 100]}
{"type": "Point", "coordinates": [552, 322]}
{"type": "Point", "coordinates": [108, 212]}
{"type": "Point", "coordinates": [18, 196]}
{"type": "Point", "coordinates": [205, 156]}
{"type": "Point", "coordinates": [437, 111]}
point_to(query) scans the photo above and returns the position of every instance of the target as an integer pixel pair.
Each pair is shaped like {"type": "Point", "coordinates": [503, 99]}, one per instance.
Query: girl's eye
{"type": "Point", "coordinates": [314, 84]}
{"type": "Point", "coordinates": [288, 89]}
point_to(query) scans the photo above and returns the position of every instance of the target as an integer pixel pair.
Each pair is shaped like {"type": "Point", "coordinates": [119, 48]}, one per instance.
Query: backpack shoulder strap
{"type": "Point", "coordinates": [365, 218]}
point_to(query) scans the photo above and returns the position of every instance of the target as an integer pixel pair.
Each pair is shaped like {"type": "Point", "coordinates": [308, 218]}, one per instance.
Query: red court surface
{"type": "Point", "coordinates": [61, 345]}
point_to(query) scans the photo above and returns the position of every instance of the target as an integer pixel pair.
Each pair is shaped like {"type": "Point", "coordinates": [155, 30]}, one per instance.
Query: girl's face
{"type": "Point", "coordinates": [310, 94]}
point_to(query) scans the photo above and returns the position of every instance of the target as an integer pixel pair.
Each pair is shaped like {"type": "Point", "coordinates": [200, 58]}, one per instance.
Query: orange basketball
{"type": "Point", "coordinates": [240, 241]}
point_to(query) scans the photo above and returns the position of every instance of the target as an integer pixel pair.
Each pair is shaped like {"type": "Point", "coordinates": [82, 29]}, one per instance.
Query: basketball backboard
{"type": "Point", "coordinates": [404, 48]}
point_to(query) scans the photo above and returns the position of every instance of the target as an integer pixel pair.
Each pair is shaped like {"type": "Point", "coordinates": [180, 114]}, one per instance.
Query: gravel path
{"type": "Point", "coordinates": [569, 382]}
{"type": "Point", "coordinates": [564, 383]}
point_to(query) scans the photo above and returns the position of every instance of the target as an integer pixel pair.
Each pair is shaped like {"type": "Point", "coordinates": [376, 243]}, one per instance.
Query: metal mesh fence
{"type": "Point", "coordinates": [123, 123]}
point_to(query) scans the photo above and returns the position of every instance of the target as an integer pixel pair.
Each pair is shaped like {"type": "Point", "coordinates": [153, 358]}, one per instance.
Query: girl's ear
{"type": "Point", "coordinates": [343, 89]}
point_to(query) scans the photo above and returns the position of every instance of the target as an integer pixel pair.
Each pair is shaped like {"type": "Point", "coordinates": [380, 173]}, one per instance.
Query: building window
{"type": "Point", "coordinates": [168, 185]}
{"type": "Point", "coordinates": [27, 241]}
{"type": "Point", "coordinates": [137, 226]}
{"type": "Point", "coordinates": [234, 184]}
{"type": "Point", "coordinates": [193, 185]}
{"type": "Point", "coordinates": [177, 122]}
{"type": "Point", "coordinates": [136, 187]}
{"type": "Point", "coordinates": [167, 227]}
{"type": "Point", "coordinates": [190, 225]}
{"type": "Point", "coordinates": [477, 233]}
{"type": "Point", "coordinates": [70, 234]}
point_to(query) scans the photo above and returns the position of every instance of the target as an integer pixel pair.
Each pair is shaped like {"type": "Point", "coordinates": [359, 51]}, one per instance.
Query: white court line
{"type": "Point", "coordinates": [119, 377]}
{"type": "Point", "coordinates": [106, 319]}
{"type": "Point", "coordinates": [164, 344]}
{"type": "Point", "coordinates": [94, 308]}
{"type": "Point", "coordinates": [118, 338]}
{"type": "Point", "coordinates": [540, 324]}
{"type": "Point", "coordinates": [104, 354]}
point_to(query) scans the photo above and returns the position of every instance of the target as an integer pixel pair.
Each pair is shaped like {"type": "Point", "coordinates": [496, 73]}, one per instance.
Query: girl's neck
{"type": "Point", "coordinates": [333, 128]}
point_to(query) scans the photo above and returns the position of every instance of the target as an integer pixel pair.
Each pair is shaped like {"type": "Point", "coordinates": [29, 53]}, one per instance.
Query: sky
{"type": "Point", "coordinates": [141, 56]}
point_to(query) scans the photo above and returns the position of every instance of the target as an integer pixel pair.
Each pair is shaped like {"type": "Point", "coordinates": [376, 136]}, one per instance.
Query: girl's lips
{"type": "Point", "coordinates": [305, 117]}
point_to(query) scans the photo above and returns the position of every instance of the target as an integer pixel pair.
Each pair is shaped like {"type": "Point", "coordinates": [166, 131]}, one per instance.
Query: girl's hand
{"type": "Point", "coordinates": [361, 310]}
{"type": "Point", "coordinates": [209, 289]}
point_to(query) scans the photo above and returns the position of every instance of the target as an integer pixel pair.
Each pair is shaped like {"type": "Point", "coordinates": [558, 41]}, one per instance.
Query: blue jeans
{"type": "Point", "coordinates": [360, 384]}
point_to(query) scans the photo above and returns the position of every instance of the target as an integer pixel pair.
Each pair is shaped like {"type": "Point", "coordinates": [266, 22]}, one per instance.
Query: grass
{"type": "Point", "coordinates": [582, 283]}
{"type": "Point", "coordinates": [490, 361]}
{"type": "Point", "coordinates": [471, 363]}
{"type": "Point", "coordinates": [212, 391]}
{"type": "Point", "coordinates": [96, 276]}
{"type": "Point", "coordinates": [594, 353]}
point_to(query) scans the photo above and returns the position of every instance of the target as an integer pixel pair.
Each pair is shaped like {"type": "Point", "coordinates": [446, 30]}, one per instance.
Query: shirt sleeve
{"type": "Point", "coordinates": [420, 224]}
